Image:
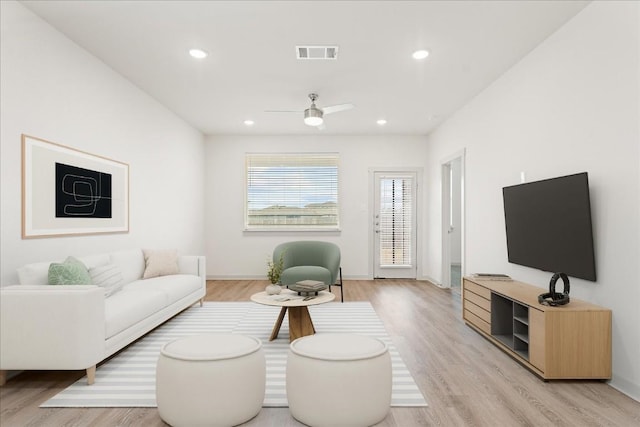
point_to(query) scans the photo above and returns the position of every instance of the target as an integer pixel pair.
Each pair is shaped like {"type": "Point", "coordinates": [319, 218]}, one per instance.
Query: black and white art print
{"type": "Point", "coordinates": [68, 191]}
{"type": "Point", "coordinates": [82, 193]}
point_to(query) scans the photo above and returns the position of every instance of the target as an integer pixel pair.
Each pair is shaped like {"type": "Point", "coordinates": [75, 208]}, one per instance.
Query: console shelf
{"type": "Point", "coordinates": [565, 342]}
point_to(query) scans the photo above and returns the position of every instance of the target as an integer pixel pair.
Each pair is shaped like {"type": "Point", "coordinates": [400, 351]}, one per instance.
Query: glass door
{"type": "Point", "coordinates": [394, 225]}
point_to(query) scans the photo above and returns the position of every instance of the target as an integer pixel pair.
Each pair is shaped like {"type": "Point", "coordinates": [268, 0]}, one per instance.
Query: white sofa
{"type": "Point", "coordinates": [74, 327]}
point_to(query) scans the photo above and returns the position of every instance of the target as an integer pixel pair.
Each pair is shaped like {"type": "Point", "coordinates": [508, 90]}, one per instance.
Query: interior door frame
{"type": "Point", "coordinates": [372, 208]}
{"type": "Point", "coordinates": [445, 165]}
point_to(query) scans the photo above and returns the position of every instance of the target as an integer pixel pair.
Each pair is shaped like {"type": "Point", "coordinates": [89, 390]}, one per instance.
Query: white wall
{"type": "Point", "coordinates": [570, 106]}
{"type": "Point", "coordinates": [234, 253]}
{"type": "Point", "coordinates": [53, 89]}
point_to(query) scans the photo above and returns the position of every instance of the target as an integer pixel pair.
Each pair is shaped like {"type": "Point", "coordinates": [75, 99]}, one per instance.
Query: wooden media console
{"type": "Point", "coordinates": [572, 341]}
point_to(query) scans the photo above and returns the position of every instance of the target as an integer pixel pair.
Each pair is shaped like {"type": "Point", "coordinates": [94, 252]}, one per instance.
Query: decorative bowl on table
{"type": "Point", "coordinates": [273, 289]}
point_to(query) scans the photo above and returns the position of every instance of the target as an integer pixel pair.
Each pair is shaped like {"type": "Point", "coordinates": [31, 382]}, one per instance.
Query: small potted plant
{"type": "Point", "coordinates": [273, 272]}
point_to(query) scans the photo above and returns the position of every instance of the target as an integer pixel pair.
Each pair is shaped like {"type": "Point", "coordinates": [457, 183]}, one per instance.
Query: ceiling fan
{"type": "Point", "coordinates": [314, 116]}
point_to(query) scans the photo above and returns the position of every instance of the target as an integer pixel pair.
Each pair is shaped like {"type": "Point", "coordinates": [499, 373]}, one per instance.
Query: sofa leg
{"type": "Point", "coordinates": [91, 375]}
{"type": "Point", "coordinates": [3, 377]}
{"type": "Point", "coordinates": [201, 301]}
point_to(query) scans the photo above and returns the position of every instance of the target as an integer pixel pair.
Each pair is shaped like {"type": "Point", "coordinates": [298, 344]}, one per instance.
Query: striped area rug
{"type": "Point", "coordinates": [128, 379]}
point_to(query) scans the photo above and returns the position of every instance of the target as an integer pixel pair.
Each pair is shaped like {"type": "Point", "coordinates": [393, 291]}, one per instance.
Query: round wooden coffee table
{"type": "Point", "coordinates": [300, 323]}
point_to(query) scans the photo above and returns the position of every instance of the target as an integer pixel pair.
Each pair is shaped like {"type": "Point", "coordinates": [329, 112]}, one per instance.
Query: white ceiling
{"type": "Point", "coordinates": [252, 66]}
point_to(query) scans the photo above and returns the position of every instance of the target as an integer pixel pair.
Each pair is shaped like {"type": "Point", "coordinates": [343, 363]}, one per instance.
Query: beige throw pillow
{"type": "Point", "coordinates": [160, 263]}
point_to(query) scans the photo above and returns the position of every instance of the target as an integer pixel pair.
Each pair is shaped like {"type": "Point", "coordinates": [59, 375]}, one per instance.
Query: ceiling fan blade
{"type": "Point", "coordinates": [283, 111]}
{"type": "Point", "coordinates": [321, 126]}
{"type": "Point", "coordinates": [336, 108]}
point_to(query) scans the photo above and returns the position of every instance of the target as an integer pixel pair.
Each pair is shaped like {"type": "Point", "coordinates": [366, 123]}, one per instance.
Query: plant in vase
{"type": "Point", "coordinates": [273, 272]}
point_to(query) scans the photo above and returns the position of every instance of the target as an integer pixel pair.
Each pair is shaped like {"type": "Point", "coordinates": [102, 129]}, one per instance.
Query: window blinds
{"type": "Point", "coordinates": [395, 222]}
{"type": "Point", "coordinates": [292, 191]}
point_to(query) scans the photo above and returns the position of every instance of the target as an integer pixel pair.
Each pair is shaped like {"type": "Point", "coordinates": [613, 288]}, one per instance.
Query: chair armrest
{"type": "Point", "coordinates": [332, 263]}
{"type": "Point", "coordinates": [51, 327]}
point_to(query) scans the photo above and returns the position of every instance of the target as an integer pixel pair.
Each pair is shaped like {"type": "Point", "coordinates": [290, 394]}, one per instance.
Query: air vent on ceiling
{"type": "Point", "coordinates": [317, 52]}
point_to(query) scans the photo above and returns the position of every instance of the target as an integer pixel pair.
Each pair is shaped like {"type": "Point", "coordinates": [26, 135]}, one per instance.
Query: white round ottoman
{"type": "Point", "coordinates": [210, 380]}
{"type": "Point", "coordinates": [339, 380]}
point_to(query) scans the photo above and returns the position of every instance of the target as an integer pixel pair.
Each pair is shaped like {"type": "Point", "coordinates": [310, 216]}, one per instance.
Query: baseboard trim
{"type": "Point", "coordinates": [435, 282]}
{"type": "Point", "coordinates": [626, 387]}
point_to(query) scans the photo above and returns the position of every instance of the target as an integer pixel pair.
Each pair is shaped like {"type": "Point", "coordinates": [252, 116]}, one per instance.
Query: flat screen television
{"type": "Point", "coordinates": [548, 225]}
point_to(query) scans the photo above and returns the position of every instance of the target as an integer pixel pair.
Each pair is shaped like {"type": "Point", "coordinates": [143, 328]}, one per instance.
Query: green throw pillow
{"type": "Point", "coordinates": [71, 272]}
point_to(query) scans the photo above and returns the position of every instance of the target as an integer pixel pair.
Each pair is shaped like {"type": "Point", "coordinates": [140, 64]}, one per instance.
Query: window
{"type": "Point", "coordinates": [292, 191]}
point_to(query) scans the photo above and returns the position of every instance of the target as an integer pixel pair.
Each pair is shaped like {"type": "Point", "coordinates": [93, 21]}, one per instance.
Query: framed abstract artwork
{"type": "Point", "coordinates": [69, 192]}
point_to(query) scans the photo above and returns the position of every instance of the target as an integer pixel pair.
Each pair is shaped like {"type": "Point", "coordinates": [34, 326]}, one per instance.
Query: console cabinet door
{"type": "Point", "coordinates": [537, 338]}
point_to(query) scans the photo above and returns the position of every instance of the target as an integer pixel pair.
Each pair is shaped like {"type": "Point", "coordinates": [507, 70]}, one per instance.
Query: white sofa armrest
{"type": "Point", "coordinates": [196, 265]}
{"type": "Point", "coordinates": [193, 264]}
{"type": "Point", "coordinates": [51, 327]}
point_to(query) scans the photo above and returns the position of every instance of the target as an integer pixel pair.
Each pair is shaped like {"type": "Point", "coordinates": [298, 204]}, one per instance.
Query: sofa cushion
{"type": "Point", "coordinates": [175, 287]}
{"type": "Point", "coordinates": [160, 263]}
{"type": "Point", "coordinates": [131, 264]}
{"type": "Point", "coordinates": [34, 274]}
{"type": "Point", "coordinates": [38, 273]}
{"type": "Point", "coordinates": [92, 261]}
{"type": "Point", "coordinates": [129, 306]}
{"type": "Point", "coordinates": [70, 272]}
{"type": "Point", "coordinates": [107, 277]}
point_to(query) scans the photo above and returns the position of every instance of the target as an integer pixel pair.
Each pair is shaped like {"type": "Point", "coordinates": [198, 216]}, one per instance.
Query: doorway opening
{"type": "Point", "coordinates": [453, 221]}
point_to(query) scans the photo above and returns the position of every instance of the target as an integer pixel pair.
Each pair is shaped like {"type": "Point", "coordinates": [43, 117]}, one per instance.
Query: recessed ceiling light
{"type": "Point", "coordinates": [249, 122]}
{"type": "Point", "coordinates": [381, 122]}
{"type": "Point", "coordinates": [420, 54]}
{"type": "Point", "coordinates": [198, 53]}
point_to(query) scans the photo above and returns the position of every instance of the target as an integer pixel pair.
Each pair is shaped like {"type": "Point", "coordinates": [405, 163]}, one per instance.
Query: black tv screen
{"type": "Point", "coordinates": [548, 225]}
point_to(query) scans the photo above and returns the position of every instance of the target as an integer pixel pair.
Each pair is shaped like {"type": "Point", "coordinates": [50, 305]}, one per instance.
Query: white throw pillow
{"type": "Point", "coordinates": [160, 263]}
{"type": "Point", "coordinates": [108, 277]}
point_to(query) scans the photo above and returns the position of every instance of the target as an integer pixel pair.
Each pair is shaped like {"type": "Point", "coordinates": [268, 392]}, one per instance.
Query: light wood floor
{"type": "Point", "coordinates": [465, 379]}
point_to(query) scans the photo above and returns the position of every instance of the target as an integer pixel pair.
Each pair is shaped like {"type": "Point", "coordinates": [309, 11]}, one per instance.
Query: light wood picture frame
{"type": "Point", "coordinates": [71, 192]}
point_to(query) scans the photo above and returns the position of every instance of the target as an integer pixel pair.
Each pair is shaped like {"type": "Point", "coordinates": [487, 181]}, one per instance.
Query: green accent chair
{"type": "Point", "coordinates": [310, 260]}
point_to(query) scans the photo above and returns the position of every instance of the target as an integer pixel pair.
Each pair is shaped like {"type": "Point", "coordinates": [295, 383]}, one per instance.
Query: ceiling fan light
{"type": "Point", "coordinates": [313, 117]}
{"type": "Point", "coordinates": [313, 121]}
{"type": "Point", "coordinates": [198, 53]}
{"type": "Point", "coordinates": [420, 54]}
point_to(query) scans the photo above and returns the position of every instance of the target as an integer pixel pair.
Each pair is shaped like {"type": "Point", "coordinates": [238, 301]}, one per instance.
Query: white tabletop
{"type": "Point", "coordinates": [295, 299]}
